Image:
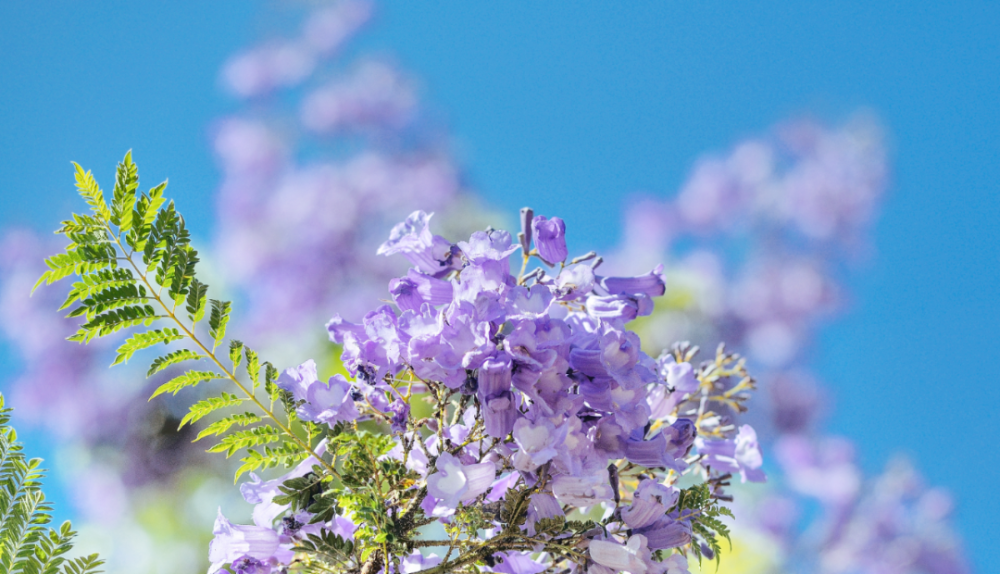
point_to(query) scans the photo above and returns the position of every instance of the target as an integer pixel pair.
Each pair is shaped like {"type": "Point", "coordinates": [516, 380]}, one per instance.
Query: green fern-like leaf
{"type": "Point", "coordinates": [287, 455]}
{"type": "Point", "coordinates": [219, 427]}
{"type": "Point", "coordinates": [135, 266]}
{"type": "Point", "coordinates": [208, 406]}
{"type": "Point", "coordinates": [143, 215]}
{"type": "Point", "coordinates": [97, 282]}
{"type": "Point", "coordinates": [84, 259]}
{"type": "Point", "coordinates": [196, 301]}
{"type": "Point", "coordinates": [123, 202]}
{"type": "Point", "coordinates": [217, 321]}
{"type": "Point", "coordinates": [253, 366]}
{"type": "Point", "coordinates": [258, 436]}
{"type": "Point", "coordinates": [91, 192]}
{"type": "Point", "coordinates": [236, 353]}
{"type": "Point", "coordinates": [188, 379]}
{"type": "Point", "coordinates": [114, 321]}
{"type": "Point", "coordinates": [27, 544]}
{"type": "Point", "coordinates": [174, 358]}
{"type": "Point", "coordinates": [84, 565]}
{"type": "Point", "coordinates": [141, 341]}
{"type": "Point", "coordinates": [110, 298]}
{"type": "Point", "coordinates": [162, 229]}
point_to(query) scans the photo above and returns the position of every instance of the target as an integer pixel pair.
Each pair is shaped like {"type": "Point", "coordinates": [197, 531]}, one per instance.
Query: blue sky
{"type": "Point", "coordinates": [590, 101]}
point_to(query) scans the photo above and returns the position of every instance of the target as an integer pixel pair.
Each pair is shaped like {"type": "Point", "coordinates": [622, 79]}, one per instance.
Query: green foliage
{"type": "Point", "coordinates": [114, 321]}
{"type": "Point", "coordinates": [218, 320]}
{"type": "Point", "coordinates": [697, 503]}
{"type": "Point", "coordinates": [196, 301]}
{"type": "Point", "coordinates": [81, 260]}
{"type": "Point", "coordinates": [28, 544]}
{"type": "Point", "coordinates": [221, 426]}
{"type": "Point", "coordinates": [141, 341]}
{"type": "Point", "coordinates": [371, 483]}
{"type": "Point", "coordinates": [236, 353]}
{"type": "Point", "coordinates": [97, 282]}
{"type": "Point", "coordinates": [188, 379]}
{"type": "Point", "coordinates": [87, 186]}
{"type": "Point", "coordinates": [208, 406]}
{"type": "Point", "coordinates": [326, 547]}
{"type": "Point", "coordinates": [286, 455]}
{"type": "Point", "coordinates": [174, 358]}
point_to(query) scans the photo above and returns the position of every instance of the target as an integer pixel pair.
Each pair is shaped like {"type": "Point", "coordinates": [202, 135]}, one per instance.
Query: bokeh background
{"type": "Point", "coordinates": [572, 108]}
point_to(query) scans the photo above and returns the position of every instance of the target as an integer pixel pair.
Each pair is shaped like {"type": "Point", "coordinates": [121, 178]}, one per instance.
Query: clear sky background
{"type": "Point", "coordinates": [569, 106]}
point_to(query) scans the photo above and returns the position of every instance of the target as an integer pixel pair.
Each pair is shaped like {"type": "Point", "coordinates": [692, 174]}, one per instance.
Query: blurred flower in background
{"type": "Point", "coordinates": [325, 153]}
{"type": "Point", "coordinates": [758, 246]}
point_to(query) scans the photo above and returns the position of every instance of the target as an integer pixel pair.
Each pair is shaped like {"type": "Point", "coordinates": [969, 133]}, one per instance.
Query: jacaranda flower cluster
{"type": "Point", "coordinates": [530, 432]}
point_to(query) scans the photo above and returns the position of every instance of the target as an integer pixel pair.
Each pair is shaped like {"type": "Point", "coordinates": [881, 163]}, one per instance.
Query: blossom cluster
{"type": "Point", "coordinates": [544, 424]}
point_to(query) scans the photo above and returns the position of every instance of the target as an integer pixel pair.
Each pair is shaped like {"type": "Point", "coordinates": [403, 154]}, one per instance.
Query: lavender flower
{"type": "Point", "coordinates": [248, 547]}
{"type": "Point", "coordinates": [550, 238]}
{"type": "Point", "coordinates": [455, 482]}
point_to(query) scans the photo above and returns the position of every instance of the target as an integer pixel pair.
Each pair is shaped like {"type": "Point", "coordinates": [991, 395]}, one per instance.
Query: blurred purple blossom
{"type": "Point", "coordinates": [760, 242]}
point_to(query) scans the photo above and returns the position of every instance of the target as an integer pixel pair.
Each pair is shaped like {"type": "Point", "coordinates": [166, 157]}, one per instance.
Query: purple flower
{"type": "Point", "coordinates": [622, 307]}
{"type": "Point", "coordinates": [609, 438]}
{"type": "Point", "coordinates": [455, 482]}
{"type": "Point", "coordinates": [679, 376]}
{"type": "Point", "coordinates": [525, 303]}
{"type": "Point", "coordinates": [739, 454]}
{"type": "Point", "coordinates": [748, 456]}
{"type": "Point", "coordinates": [666, 532]}
{"type": "Point", "coordinates": [492, 245]}
{"type": "Point", "coordinates": [498, 403]}
{"type": "Point", "coordinates": [233, 542]}
{"type": "Point", "coordinates": [652, 453]}
{"type": "Point", "coordinates": [524, 347]}
{"type": "Point", "coordinates": [250, 565]}
{"type": "Point", "coordinates": [681, 434]}
{"type": "Point", "coordinates": [632, 557]}
{"type": "Point", "coordinates": [416, 288]}
{"type": "Point", "coordinates": [584, 490]}
{"type": "Point", "coordinates": [400, 415]}
{"type": "Point", "coordinates": [299, 380]}
{"type": "Point", "coordinates": [649, 503]}
{"type": "Point", "coordinates": [550, 238]}
{"type": "Point", "coordinates": [328, 402]}
{"type": "Point", "coordinates": [538, 442]}
{"type": "Point", "coordinates": [629, 407]}
{"type": "Point", "coordinates": [517, 563]}
{"type": "Point", "coordinates": [574, 282]}
{"type": "Point", "coordinates": [429, 254]}
{"type": "Point", "coordinates": [651, 284]}
{"type": "Point", "coordinates": [675, 564]}
{"type": "Point", "coordinates": [373, 97]}
{"type": "Point", "coordinates": [415, 562]}
{"type": "Point", "coordinates": [500, 486]}
{"type": "Point", "coordinates": [826, 471]}
{"type": "Point", "coordinates": [542, 505]}
{"type": "Point", "coordinates": [619, 354]}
